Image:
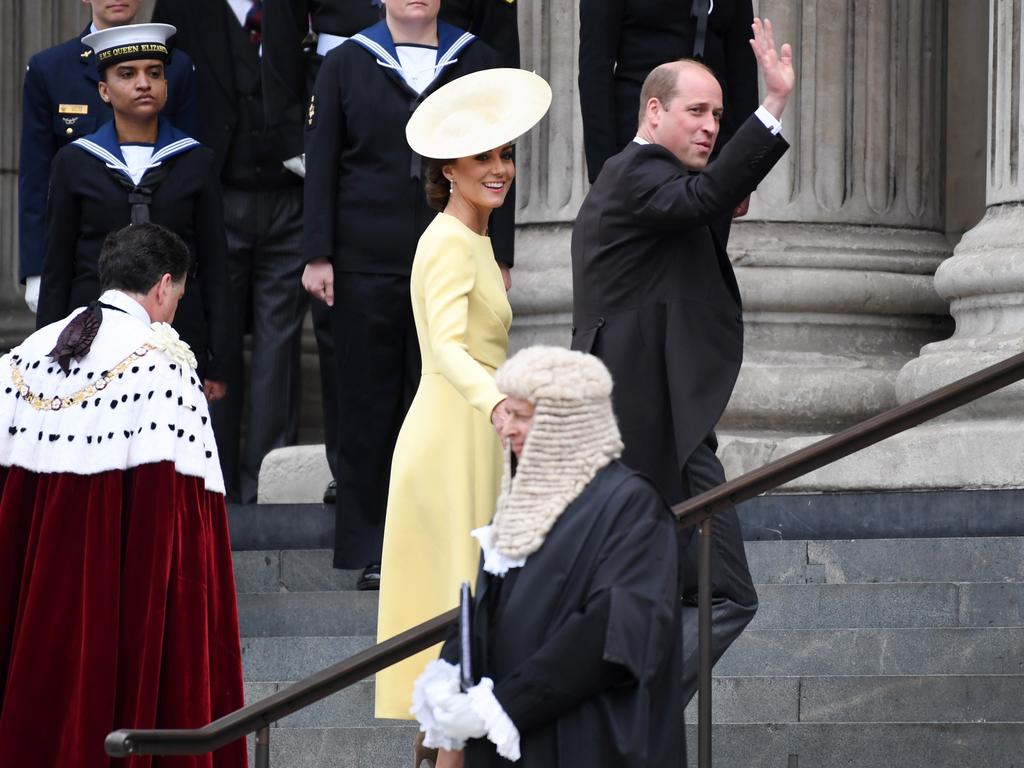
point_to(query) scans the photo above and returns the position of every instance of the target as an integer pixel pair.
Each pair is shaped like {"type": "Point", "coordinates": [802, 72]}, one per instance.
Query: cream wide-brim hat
{"type": "Point", "coordinates": [478, 112]}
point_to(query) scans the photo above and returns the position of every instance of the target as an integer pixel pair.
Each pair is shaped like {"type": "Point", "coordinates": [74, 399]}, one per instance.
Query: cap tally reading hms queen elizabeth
{"type": "Point", "coordinates": [117, 598]}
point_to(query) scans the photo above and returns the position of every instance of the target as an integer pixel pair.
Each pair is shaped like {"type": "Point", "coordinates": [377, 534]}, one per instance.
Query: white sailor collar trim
{"type": "Point", "coordinates": [104, 146]}
{"type": "Point", "coordinates": [377, 40]}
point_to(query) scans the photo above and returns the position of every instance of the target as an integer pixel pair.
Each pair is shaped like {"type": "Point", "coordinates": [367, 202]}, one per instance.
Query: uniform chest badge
{"type": "Point", "coordinates": [70, 120]}
{"type": "Point", "coordinates": [73, 109]}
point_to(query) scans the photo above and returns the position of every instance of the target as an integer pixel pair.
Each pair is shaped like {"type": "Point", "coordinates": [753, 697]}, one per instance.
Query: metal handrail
{"type": "Point", "coordinates": [695, 511]}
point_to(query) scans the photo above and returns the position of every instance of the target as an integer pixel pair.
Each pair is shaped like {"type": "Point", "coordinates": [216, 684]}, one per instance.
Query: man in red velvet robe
{"type": "Point", "coordinates": [117, 598]}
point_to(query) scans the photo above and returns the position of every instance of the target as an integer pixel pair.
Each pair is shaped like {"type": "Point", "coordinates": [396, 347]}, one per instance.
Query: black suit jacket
{"type": "Point", "coordinates": [621, 41]}
{"type": "Point", "coordinates": [654, 294]}
{"type": "Point", "coordinates": [203, 28]}
{"type": "Point", "coordinates": [86, 204]}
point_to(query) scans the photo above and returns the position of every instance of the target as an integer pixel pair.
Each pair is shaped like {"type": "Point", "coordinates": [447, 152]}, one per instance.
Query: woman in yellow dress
{"type": "Point", "coordinates": [446, 468]}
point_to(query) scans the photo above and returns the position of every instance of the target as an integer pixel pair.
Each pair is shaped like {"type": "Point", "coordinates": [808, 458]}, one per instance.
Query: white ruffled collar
{"type": "Point", "coordinates": [495, 562]}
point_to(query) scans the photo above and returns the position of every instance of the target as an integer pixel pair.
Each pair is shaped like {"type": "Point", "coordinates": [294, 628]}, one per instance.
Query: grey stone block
{"type": "Point", "coordinates": [992, 605]}
{"type": "Point", "coordinates": [780, 562]}
{"type": "Point", "coordinates": [257, 571]}
{"type": "Point", "coordinates": [311, 570]}
{"type": "Point", "coordinates": [351, 707]}
{"type": "Point", "coordinates": [912, 699]}
{"type": "Point", "coordinates": [892, 560]}
{"type": "Point", "coordinates": [307, 614]}
{"type": "Point", "coordinates": [381, 747]}
{"type": "Point", "coordinates": [818, 606]}
{"type": "Point", "coordinates": [751, 700]}
{"type": "Point", "coordinates": [872, 745]}
{"type": "Point", "coordinates": [293, 658]}
{"type": "Point", "coordinates": [913, 651]}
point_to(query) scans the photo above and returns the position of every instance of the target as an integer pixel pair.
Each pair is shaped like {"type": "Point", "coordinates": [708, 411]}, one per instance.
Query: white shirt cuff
{"type": "Point", "coordinates": [770, 121]}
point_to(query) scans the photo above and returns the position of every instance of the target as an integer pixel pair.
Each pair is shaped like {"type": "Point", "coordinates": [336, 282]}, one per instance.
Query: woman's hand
{"type": "Point", "coordinates": [498, 418]}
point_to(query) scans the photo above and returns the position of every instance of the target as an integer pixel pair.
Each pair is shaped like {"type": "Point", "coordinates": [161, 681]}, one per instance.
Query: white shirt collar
{"type": "Point", "coordinates": [125, 302]}
{"type": "Point", "coordinates": [640, 140]}
{"type": "Point", "coordinates": [240, 9]}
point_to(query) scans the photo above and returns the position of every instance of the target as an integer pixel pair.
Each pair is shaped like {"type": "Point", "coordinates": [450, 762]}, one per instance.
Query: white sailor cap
{"type": "Point", "coordinates": [129, 43]}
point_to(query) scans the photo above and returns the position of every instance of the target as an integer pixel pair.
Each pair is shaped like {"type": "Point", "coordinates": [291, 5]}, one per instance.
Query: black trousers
{"type": "Point", "coordinates": [264, 232]}
{"type": "Point", "coordinates": [733, 597]}
{"type": "Point", "coordinates": [377, 361]}
{"type": "Point", "coordinates": [324, 335]}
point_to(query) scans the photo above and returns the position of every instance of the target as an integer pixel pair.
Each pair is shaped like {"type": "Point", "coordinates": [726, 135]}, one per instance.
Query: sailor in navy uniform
{"type": "Point", "coordinates": [102, 183]}
{"type": "Point", "coordinates": [61, 103]}
{"type": "Point", "coordinates": [365, 209]}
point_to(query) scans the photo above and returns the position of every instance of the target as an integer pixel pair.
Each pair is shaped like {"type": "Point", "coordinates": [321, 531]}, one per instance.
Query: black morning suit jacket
{"type": "Point", "coordinates": [654, 295]}
{"type": "Point", "coordinates": [87, 203]}
{"type": "Point", "coordinates": [621, 41]}
{"type": "Point", "coordinates": [60, 83]}
{"type": "Point", "coordinates": [203, 28]}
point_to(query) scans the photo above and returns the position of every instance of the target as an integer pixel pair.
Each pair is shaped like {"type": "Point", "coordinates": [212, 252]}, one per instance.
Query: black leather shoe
{"type": "Point", "coordinates": [331, 492]}
{"type": "Point", "coordinates": [370, 579]}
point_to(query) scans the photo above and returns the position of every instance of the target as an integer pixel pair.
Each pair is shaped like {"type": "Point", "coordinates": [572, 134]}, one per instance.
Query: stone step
{"type": "Point", "coordinates": [837, 699]}
{"type": "Point", "coordinates": [791, 606]}
{"type": "Point", "coordinates": [294, 658]}
{"type": "Point", "coordinates": [988, 559]}
{"type": "Point", "coordinates": [994, 559]}
{"type": "Point", "coordinates": [878, 745]}
{"type": "Point", "coordinates": [885, 651]}
{"type": "Point", "coordinates": [794, 745]}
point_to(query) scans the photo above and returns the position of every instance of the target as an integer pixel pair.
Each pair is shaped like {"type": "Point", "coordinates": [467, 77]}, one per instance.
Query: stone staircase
{"type": "Point", "coordinates": [876, 652]}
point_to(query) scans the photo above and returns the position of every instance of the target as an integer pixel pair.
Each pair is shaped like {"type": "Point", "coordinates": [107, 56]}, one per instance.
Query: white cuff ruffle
{"type": "Point", "coordinates": [501, 731]}
{"type": "Point", "coordinates": [495, 563]}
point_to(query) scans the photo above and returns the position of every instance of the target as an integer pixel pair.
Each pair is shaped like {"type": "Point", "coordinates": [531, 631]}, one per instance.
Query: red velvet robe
{"type": "Point", "coordinates": [117, 596]}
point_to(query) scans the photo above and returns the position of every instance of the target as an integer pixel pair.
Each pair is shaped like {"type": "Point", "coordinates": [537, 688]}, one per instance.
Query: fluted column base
{"type": "Point", "coordinates": [831, 314]}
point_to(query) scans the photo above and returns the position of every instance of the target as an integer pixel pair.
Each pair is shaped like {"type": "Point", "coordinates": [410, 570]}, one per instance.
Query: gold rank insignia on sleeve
{"type": "Point", "coordinates": [85, 54]}
{"type": "Point", "coordinates": [312, 108]}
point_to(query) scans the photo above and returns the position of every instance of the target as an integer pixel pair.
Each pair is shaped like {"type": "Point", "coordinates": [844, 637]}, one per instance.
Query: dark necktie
{"type": "Point", "coordinates": [254, 22]}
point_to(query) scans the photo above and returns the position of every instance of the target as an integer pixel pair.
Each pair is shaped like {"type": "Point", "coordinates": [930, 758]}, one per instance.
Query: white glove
{"type": "Point", "coordinates": [458, 718]}
{"type": "Point", "coordinates": [32, 291]}
{"type": "Point", "coordinates": [296, 165]}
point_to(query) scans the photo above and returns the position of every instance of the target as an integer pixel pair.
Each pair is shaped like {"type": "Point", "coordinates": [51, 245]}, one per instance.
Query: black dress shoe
{"type": "Point", "coordinates": [331, 492]}
{"type": "Point", "coordinates": [370, 579]}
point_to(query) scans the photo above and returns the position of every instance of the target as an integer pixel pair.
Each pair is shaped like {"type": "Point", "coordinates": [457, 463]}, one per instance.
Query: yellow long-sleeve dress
{"type": "Point", "coordinates": [446, 470]}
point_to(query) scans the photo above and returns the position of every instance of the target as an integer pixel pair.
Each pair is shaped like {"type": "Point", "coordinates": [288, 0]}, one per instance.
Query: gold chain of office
{"type": "Point", "coordinates": [58, 402]}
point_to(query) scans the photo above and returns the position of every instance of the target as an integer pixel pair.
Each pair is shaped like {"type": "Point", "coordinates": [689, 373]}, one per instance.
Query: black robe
{"type": "Point", "coordinates": [582, 641]}
{"type": "Point", "coordinates": [654, 295]}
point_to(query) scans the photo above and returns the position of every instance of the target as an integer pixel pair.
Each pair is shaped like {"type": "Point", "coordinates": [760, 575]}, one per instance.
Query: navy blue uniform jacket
{"type": "Point", "coordinates": [60, 83]}
{"type": "Point", "coordinates": [87, 203]}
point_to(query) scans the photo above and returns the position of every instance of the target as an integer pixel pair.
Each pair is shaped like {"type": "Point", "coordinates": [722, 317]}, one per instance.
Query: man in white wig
{"type": "Point", "coordinates": [575, 659]}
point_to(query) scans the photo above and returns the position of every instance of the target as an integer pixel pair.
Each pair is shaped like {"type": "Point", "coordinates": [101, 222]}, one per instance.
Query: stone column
{"type": "Point", "coordinates": [982, 444]}
{"type": "Point", "coordinates": [551, 178]}
{"type": "Point", "coordinates": [28, 27]}
{"type": "Point", "coordinates": [836, 258]}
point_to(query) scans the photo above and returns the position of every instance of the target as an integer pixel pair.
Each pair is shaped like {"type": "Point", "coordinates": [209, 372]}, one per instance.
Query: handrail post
{"type": "Point", "coordinates": [261, 753]}
{"type": "Point", "coordinates": [704, 647]}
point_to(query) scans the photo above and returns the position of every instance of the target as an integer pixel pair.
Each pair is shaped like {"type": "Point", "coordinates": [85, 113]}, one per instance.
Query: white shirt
{"type": "Point", "coordinates": [418, 65]}
{"type": "Point", "coordinates": [240, 9]}
{"type": "Point", "coordinates": [137, 157]}
{"type": "Point", "coordinates": [123, 301]}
